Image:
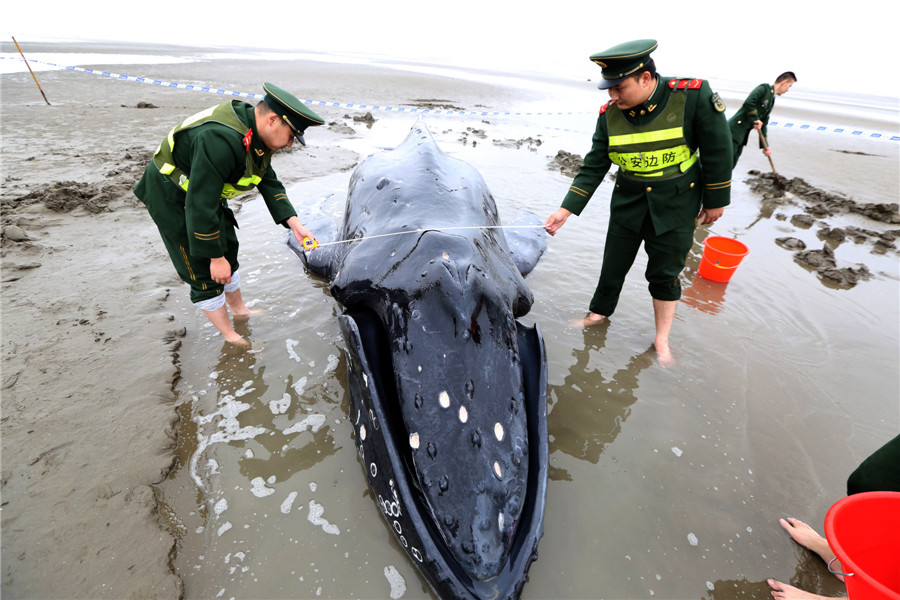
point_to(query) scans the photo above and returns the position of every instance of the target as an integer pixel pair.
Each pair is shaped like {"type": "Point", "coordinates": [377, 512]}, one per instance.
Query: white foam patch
{"type": "Point", "coordinates": [259, 489]}
{"type": "Point", "coordinates": [290, 345]}
{"type": "Point", "coordinates": [315, 517]}
{"type": "Point", "coordinates": [279, 407]}
{"type": "Point", "coordinates": [220, 507]}
{"type": "Point", "coordinates": [245, 389]}
{"type": "Point", "coordinates": [312, 422]}
{"type": "Point", "coordinates": [692, 539]}
{"type": "Point", "coordinates": [677, 451]}
{"type": "Point", "coordinates": [288, 503]}
{"type": "Point", "coordinates": [225, 527]}
{"type": "Point", "coordinates": [398, 584]}
{"type": "Point", "coordinates": [228, 429]}
{"type": "Point", "coordinates": [332, 363]}
{"type": "Point", "coordinates": [300, 386]}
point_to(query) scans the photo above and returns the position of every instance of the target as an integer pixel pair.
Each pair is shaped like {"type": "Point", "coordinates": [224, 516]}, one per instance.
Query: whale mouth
{"type": "Point", "coordinates": [389, 458]}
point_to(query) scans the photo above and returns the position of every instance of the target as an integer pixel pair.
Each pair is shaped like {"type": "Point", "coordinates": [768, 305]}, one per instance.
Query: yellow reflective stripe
{"type": "Point", "coordinates": [166, 168]}
{"type": "Point", "coordinates": [171, 139]}
{"type": "Point", "coordinates": [251, 180]}
{"type": "Point", "coordinates": [647, 136]}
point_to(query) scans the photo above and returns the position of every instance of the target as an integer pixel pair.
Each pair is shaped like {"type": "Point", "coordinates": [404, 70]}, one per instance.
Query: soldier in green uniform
{"type": "Point", "coordinates": [207, 159]}
{"type": "Point", "coordinates": [669, 138]}
{"type": "Point", "coordinates": [754, 114]}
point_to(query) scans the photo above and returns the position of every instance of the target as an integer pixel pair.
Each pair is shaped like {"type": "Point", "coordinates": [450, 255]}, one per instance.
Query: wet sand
{"type": "Point", "coordinates": [106, 367]}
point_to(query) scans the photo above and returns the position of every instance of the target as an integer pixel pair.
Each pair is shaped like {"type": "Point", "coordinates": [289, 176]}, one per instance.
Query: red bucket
{"type": "Point", "coordinates": [863, 530]}
{"type": "Point", "coordinates": [721, 256]}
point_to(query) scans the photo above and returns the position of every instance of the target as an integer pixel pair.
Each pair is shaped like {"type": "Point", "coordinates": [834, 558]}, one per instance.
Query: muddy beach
{"type": "Point", "coordinates": [111, 383]}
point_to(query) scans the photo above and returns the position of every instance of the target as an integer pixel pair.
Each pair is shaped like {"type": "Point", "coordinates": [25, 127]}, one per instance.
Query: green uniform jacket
{"type": "Point", "coordinates": [211, 155]}
{"type": "Point", "coordinates": [757, 107]}
{"type": "Point", "coordinates": [672, 203]}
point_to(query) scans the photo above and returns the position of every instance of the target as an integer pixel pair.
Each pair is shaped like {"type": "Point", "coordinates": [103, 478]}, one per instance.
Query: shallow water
{"type": "Point", "coordinates": [665, 483]}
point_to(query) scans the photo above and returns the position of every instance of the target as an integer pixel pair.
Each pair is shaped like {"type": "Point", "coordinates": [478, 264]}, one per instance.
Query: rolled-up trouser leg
{"type": "Point", "coordinates": [217, 302]}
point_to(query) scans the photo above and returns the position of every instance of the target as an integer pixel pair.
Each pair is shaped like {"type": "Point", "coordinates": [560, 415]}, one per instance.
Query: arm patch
{"type": "Point", "coordinates": [717, 102]}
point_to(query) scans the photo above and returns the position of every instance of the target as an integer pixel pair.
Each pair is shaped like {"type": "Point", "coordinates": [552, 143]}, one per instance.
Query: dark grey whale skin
{"type": "Point", "coordinates": [448, 391]}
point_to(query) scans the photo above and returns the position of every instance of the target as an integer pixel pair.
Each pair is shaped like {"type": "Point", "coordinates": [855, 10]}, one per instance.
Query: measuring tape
{"type": "Point", "coordinates": [311, 244]}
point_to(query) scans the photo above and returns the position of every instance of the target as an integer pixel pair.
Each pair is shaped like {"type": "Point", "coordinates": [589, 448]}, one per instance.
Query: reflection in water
{"type": "Point", "coordinates": [241, 437]}
{"type": "Point", "coordinates": [811, 575]}
{"type": "Point", "coordinates": [588, 410]}
{"type": "Point", "coordinates": [705, 295]}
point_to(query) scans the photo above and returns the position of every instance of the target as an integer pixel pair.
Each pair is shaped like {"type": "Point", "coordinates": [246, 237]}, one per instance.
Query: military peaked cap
{"type": "Point", "coordinates": [296, 114]}
{"type": "Point", "coordinates": [621, 61]}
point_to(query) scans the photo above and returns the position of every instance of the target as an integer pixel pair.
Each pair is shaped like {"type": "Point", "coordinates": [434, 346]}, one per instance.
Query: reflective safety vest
{"type": "Point", "coordinates": [656, 150]}
{"type": "Point", "coordinates": [224, 115]}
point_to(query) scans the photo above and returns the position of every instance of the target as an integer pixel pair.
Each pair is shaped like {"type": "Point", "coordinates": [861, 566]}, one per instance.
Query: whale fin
{"type": "Point", "coordinates": [527, 243]}
{"type": "Point", "coordinates": [320, 261]}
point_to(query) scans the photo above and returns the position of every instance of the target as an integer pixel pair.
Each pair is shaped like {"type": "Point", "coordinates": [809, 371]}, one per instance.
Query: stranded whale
{"type": "Point", "coordinates": [448, 391]}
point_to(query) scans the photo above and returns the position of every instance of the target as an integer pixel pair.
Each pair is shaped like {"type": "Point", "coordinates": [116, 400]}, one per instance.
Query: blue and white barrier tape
{"type": "Point", "coordinates": [456, 113]}
{"type": "Point", "coordinates": [847, 130]}
{"type": "Point", "coordinates": [399, 109]}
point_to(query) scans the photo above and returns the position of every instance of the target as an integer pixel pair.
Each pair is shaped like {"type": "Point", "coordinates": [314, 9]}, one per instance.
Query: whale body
{"type": "Point", "coordinates": [448, 390]}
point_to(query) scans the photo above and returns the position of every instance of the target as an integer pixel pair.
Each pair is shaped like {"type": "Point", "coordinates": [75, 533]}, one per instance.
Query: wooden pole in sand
{"type": "Point", "coordinates": [30, 71]}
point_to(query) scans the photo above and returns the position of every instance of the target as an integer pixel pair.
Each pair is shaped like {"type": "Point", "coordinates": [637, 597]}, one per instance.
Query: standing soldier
{"type": "Point", "coordinates": [206, 160]}
{"type": "Point", "coordinates": [754, 114]}
{"type": "Point", "coordinates": [669, 138]}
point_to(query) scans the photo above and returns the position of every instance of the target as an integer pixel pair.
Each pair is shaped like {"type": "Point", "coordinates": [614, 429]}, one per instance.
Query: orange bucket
{"type": "Point", "coordinates": [721, 256]}
{"type": "Point", "coordinates": [863, 530]}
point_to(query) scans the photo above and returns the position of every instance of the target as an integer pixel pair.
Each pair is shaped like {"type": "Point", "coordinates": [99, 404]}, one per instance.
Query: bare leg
{"type": "Point", "coordinates": [589, 321]}
{"type": "Point", "coordinates": [783, 591]}
{"type": "Point", "coordinates": [236, 304]}
{"type": "Point", "coordinates": [664, 314]}
{"type": "Point", "coordinates": [222, 322]}
{"type": "Point", "coordinates": [810, 539]}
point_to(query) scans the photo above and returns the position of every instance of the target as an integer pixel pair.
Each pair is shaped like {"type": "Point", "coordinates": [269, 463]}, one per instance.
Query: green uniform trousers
{"type": "Point", "coordinates": [880, 472]}
{"type": "Point", "coordinates": [194, 270]}
{"type": "Point", "coordinates": [666, 255]}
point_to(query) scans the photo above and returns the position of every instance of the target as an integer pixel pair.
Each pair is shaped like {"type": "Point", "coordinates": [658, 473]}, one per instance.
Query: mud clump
{"type": "Point", "coordinates": [816, 204]}
{"type": "Point", "coordinates": [566, 163]}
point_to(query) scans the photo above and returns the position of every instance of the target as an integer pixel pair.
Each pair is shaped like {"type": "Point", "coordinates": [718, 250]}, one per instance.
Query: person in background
{"type": "Point", "coordinates": [754, 114]}
{"type": "Point", "coordinates": [880, 472]}
{"type": "Point", "coordinates": [669, 138]}
{"type": "Point", "coordinates": [206, 160]}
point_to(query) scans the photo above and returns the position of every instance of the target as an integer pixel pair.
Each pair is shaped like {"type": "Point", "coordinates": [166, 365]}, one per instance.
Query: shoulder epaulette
{"type": "Point", "coordinates": [605, 106]}
{"type": "Point", "coordinates": [690, 84]}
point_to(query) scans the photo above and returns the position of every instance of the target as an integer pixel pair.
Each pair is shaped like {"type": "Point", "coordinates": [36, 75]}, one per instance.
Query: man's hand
{"type": "Point", "coordinates": [299, 230]}
{"type": "Point", "coordinates": [757, 125]}
{"type": "Point", "coordinates": [708, 216]}
{"type": "Point", "coordinates": [556, 220]}
{"type": "Point", "coordinates": [220, 270]}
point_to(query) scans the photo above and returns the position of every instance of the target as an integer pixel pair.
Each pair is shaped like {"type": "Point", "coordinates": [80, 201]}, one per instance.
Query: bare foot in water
{"type": "Point", "coordinates": [244, 316]}
{"type": "Point", "coordinates": [238, 341]}
{"type": "Point", "coordinates": [783, 591]}
{"type": "Point", "coordinates": [589, 321]}
{"type": "Point", "coordinates": [810, 539]}
{"type": "Point", "coordinates": [664, 355]}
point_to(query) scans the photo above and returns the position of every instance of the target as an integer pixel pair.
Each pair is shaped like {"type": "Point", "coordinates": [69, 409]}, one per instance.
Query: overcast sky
{"type": "Point", "coordinates": [845, 47]}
